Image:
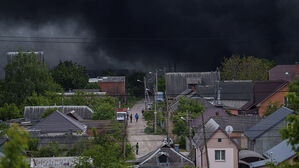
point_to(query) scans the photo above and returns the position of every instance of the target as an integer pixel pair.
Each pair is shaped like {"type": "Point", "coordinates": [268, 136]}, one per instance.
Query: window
{"type": "Point", "coordinates": [285, 101]}
{"type": "Point", "coordinates": [220, 155]}
{"type": "Point", "coordinates": [163, 159]}
{"type": "Point", "coordinates": [219, 139]}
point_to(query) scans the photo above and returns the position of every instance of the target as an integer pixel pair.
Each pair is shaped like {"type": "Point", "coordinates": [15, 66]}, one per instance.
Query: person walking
{"type": "Point", "coordinates": [131, 117]}
{"type": "Point", "coordinates": [137, 148]}
{"type": "Point", "coordinates": [136, 117]}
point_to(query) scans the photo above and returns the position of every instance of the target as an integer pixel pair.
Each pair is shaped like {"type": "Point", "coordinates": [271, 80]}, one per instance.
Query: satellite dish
{"type": "Point", "coordinates": [229, 129]}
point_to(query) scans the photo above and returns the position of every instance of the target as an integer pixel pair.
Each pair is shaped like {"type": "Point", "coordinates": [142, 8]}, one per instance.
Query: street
{"type": "Point", "coordinates": [147, 143]}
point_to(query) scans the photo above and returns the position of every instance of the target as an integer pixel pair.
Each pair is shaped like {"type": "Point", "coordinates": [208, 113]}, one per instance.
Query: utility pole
{"type": "Point", "coordinates": [205, 140]}
{"type": "Point", "coordinates": [144, 80]}
{"type": "Point", "coordinates": [124, 137]}
{"type": "Point", "coordinates": [189, 129]}
{"type": "Point", "coordinates": [167, 115]}
{"type": "Point", "coordinates": [155, 97]}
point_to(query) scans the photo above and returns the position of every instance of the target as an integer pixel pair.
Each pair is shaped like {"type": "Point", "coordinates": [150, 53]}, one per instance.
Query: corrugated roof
{"type": "Point", "coordinates": [239, 123]}
{"type": "Point", "coordinates": [112, 79]}
{"type": "Point", "coordinates": [277, 154]}
{"type": "Point", "coordinates": [58, 122]}
{"type": "Point", "coordinates": [33, 113]}
{"type": "Point", "coordinates": [267, 123]}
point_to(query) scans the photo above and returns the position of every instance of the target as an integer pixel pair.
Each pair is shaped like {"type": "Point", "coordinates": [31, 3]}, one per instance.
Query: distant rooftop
{"type": "Point", "coordinates": [284, 72]}
{"type": "Point", "coordinates": [107, 79]}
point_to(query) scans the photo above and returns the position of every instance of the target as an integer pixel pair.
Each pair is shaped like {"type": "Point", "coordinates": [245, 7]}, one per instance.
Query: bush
{"type": "Point", "coordinates": [48, 112]}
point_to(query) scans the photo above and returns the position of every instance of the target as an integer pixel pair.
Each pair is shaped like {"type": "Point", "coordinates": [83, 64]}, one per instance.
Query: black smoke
{"type": "Point", "coordinates": [194, 35]}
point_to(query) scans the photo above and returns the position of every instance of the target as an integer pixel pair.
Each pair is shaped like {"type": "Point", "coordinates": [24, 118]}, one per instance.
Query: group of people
{"type": "Point", "coordinates": [131, 117]}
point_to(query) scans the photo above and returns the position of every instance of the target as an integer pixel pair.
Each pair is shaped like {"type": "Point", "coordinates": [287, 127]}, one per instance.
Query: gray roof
{"type": "Point", "coordinates": [267, 123]}
{"type": "Point", "coordinates": [177, 82]}
{"type": "Point", "coordinates": [112, 79]}
{"type": "Point", "coordinates": [236, 90]}
{"type": "Point", "coordinates": [207, 114]}
{"type": "Point", "coordinates": [239, 123]}
{"type": "Point", "coordinates": [229, 90]}
{"type": "Point", "coordinates": [33, 113]}
{"type": "Point", "coordinates": [57, 162]}
{"type": "Point", "coordinates": [211, 127]}
{"type": "Point", "coordinates": [58, 122]}
{"type": "Point", "coordinates": [175, 158]}
{"type": "Point", "coordinates": [278, 154]}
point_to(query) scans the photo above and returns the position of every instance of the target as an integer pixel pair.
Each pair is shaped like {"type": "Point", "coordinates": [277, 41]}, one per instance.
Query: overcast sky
{"type": "Point", "coordinates": [193, 34]}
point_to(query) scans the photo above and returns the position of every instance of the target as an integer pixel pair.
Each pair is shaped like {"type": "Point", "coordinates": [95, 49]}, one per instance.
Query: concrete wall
{"type": "Point", "coordinates": [231, 152]}
{"type": "Point", "coordinates": [277, 97]}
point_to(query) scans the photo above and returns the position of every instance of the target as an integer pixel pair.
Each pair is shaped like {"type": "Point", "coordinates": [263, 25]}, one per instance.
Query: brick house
{"type": "Point", "coordinates": [264, 93]}
{"type": "Point", "coordinates": [112, 85]}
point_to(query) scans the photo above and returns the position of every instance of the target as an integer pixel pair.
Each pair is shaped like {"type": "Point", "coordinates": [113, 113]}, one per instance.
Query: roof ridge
{"type": "Point", "coordinates": [72, 121]}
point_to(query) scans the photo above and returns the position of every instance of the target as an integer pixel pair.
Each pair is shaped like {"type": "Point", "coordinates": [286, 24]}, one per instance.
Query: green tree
{"type": "Point", "coordinates": [161, 84]}
{"type": "Point", "coordinates": [245, 68]}
{"type": "Point", "coordinates": [293, 95]}
{"type": "Point", "coordinates": [9, 111]}
{"type": "Point", "coordinates": [14, 149]}
{"type": "Point", "coordinates": [105, 111]}
{"type": "Point", "coordinates": [134, 85]}
{"type": "Point", "coordinates": [26, 75]}
{"type": "Point", "coordinates": [70, 75]}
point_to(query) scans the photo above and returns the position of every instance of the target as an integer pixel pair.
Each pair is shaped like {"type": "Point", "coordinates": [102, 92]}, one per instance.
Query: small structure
{"type": "Point", "coordinates": [284, 72]}
{"type": "Point", "coordinates": [163, 157]}
{"type": "Point", "coordinates": [265, 92]}
{"type": "Point", "coordinates": [282, 152]}
{"type": "Point", "coordinates": [34, 113]}
{"type": "Point", "coordinates": [222, 150]}
{"type": "Point", "coordinates": [265, 134]}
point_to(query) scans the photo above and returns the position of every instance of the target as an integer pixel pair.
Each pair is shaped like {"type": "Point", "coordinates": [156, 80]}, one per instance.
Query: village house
{"type": "Point", "coordinates": [222, 150]}
{"type": "Point", "coordinates": [266, 93]}
{"type": "Point", "coordinates": [265, 134]}
{"type": "Point", "coordinates": [163, 157]}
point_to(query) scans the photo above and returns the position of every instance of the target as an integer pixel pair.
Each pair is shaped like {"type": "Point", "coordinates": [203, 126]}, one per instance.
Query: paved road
{"type": "Point", "coordinates": [147, 143]}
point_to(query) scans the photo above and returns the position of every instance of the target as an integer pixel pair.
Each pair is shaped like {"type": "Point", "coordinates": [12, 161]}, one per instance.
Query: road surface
{"type": "Point", "coordinates": [147, 143]}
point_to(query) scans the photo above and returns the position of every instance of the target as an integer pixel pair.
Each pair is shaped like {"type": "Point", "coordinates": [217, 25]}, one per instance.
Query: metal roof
{"type": "Point", "coordinates": [277, 154]}
{"type": "Point", "coordinates": [284, 72]}
{"type": "Point", "coordinates": [239, 123]}
{"type": "Point", "coordinates": [267, 123]}
{"type": "Point", "coordinates": [58, 122]}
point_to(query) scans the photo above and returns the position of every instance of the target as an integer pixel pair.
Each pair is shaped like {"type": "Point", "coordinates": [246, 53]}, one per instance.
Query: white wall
{"type": "Point", "coordinates": [229, 158]}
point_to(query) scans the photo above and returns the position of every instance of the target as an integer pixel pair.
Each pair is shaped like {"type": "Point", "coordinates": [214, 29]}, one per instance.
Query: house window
{"type": "Point", "coordinates": [163, 159]}
{"type": "Point", "coordinates": [285, 101]}
{"type": "Point", "coordinates": [219, 140]}
{"type": "Point", "coordinates": [220, 155]}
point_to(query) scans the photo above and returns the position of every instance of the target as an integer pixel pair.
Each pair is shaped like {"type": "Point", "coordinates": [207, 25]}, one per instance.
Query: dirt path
{"type": "Point", "coordinates": [147, 143]}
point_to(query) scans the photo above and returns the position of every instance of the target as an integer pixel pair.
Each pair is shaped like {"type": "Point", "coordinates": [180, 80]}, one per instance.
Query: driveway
{"type": "Point", "coordinates": [147, 143]}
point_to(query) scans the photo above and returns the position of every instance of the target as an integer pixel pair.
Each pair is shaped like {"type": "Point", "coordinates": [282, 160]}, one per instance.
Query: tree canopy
{"type": "Point", "coordinates": [70, 75]}
{"type": "Point", "coordinates": [24, 76]}
{"type": "Point", "coordinates": [14, 149]}
{"type": "Point", "coordinates": [245, 68]}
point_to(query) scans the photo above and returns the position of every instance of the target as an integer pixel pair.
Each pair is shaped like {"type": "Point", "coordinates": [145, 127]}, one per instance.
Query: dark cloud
{"type": "Point", "coordinates": [194, 34]}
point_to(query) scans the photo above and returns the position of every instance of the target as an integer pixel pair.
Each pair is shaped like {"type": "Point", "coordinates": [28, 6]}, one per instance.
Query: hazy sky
{"type": "Point", "coordinates": [193, 34]}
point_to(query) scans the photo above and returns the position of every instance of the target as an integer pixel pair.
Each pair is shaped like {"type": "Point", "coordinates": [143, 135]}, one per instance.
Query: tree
{"type": "Point", "coordinates": [70, 75]}
{"type": "Point", "coordinates": [161, 84]}
{"type": "Point", "coordinates": [26, 75]}
{"type": "Point", "coordinates": [14, 149]}
{"type": "Point", "coordinates": [245, 68]}
{"type": "Point", "coordinates": [9, 111]}
{"type": "Point", "coordinates": [293, 95]}
{"type": "Point", "coordinates": [104, 111]}
{"type": "Point", "coordinates": [135, 87]}
{"type": "Point", "coordinates": [271, 107]}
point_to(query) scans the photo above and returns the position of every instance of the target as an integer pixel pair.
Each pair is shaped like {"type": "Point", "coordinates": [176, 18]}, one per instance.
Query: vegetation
{"type": "Point", "coordinates": [134, 85]}
{"type": "Point", "coordinates": [9, 111]}
{"type": "Point", "coordinates": [70, 75]}
{"type": "Point", "coordinates": [180, 127]}
{"type": "Point", "coordinates": [48, 112]}
{"type": "Point", "coordinates": [161, 84]}
{"type": "Point", "coordinates": [245, 68]}
{"type": "Point", "coordinates": [24, 76]}
{"type": "Point", "coordinates": [14, 149]}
